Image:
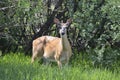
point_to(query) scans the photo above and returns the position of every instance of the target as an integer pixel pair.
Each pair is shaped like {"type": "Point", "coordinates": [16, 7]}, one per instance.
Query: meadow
{"type": "Point", "coordinates": [18, 67]}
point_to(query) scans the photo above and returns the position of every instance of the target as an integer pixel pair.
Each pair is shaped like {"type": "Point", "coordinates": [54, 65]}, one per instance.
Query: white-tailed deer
{"type": "Point", "coordinates": [55, 49]}
{"type": "Point", "coordinates": [38, 46]}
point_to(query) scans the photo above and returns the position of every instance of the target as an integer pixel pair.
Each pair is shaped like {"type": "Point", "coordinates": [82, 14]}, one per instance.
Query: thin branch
{"type": "Point", "coordinates": [3, 8]}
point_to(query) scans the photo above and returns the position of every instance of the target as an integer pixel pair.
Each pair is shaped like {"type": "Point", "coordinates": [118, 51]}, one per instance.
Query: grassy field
{"type": "Point", "coordinates": [18, 67]}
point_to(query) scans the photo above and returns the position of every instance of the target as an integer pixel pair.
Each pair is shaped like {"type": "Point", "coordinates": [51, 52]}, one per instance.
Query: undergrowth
{"type": "Point", "coordinates": [18, 67]}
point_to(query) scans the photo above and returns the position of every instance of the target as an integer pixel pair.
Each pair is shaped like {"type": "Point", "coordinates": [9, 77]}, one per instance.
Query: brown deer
{"type": "Point", "coordinates": [38, 46]}
{"type": "Point", "coordinates": [55, 49]}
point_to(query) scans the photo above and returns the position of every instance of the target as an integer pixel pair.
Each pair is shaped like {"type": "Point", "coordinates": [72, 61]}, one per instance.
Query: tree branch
{"type": "Point", "coordinates": [45, 26]}
{"type": "Point", "coordinates": [3, 8]}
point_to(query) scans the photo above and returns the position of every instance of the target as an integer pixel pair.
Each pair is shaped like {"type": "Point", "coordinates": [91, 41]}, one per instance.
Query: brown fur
{"type": "Point", "coordinates": [38, 46]}
{"type": "Point", "coordinates": [53, 48]}
{"type": "Point", "coordinates": [55, 51]}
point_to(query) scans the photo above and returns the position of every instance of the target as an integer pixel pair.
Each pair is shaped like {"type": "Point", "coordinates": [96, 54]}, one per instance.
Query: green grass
{"type": "Point", "coordinates": [18, 67]}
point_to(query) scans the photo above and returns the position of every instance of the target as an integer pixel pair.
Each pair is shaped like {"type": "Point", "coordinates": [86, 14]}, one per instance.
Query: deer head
{"type": "Point", "coordinates": [62, 26]}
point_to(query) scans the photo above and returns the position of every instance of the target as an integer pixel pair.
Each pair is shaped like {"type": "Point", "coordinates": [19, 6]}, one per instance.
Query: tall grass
{"type": "Point", "coordinates": [18, 67]}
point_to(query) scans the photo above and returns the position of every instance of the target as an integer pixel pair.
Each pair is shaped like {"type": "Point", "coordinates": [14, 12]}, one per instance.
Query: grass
{"type": "Point", "coordinates": [18, 67]}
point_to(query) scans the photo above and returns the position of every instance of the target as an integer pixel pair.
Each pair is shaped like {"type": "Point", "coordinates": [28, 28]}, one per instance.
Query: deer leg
{"type": "Point", "coordinates": [34, 54]}
{"type": "Point", "coordinates": [67, 60]}
{"type": "Point", "coordinates": [57, 58]}
{"type": "Point", "coordinates": [59, 64]}
{"type": "Point", "coordinates": [45, 61]}
{"type": "Point", "coordinates": [34, 57]}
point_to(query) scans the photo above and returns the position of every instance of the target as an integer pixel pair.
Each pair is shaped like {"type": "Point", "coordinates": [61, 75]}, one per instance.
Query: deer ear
{"type": "Point", "coordinates": [56, 21]}
{"type": "Point", "coordinates": [69, 21]}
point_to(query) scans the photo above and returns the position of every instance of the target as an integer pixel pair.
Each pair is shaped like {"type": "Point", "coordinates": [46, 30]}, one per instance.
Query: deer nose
{"type": "Point", "coordinates": [62, 33]}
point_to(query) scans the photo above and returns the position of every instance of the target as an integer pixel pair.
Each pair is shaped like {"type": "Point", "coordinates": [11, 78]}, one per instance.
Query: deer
{"type": "Point", "coordinates": [55, 49]}
{"type": "Point", "coordinates": [38, 46]}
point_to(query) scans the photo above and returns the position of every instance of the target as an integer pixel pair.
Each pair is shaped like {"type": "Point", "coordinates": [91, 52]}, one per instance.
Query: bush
{"type": "Point", "coordinates": [98, 24]}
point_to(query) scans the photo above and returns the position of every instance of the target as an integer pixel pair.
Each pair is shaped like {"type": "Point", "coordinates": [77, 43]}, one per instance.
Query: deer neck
{"type": "Point", "coordinates": [64, 41]}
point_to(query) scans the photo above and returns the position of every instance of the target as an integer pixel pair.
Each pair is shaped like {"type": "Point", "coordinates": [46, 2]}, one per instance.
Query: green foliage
{"type": "Point", "coordinates": [17, 20]}
{"type": "Point", "coordinates": [99, 27]}
{"type": "Point", "coordinates": [95, 28]}
{"type": "Point", "coordinates": [18, 67]}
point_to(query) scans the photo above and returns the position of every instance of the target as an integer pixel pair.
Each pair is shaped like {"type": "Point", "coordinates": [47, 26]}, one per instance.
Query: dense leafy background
{"type": "Point", "coordinates": [94, 32]}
